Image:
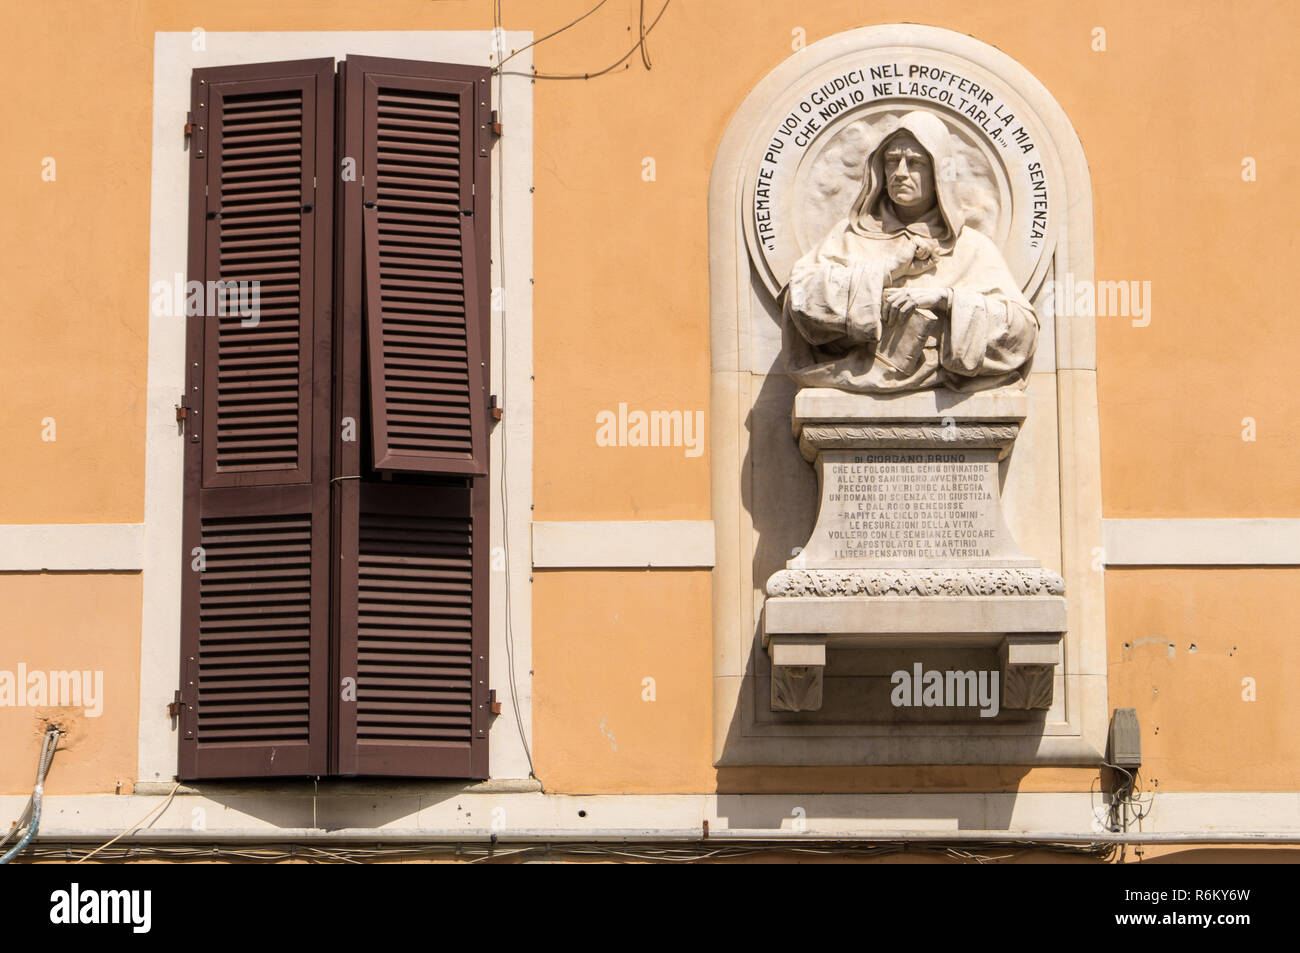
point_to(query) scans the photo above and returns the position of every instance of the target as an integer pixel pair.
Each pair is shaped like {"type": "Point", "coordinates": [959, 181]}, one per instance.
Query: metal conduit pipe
{"type": "Point", "coordinates": [38, 793]}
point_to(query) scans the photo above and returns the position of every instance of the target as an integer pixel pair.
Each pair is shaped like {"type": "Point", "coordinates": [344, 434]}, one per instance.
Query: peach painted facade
{"type": "Point", "coordinates": [1167, 114]}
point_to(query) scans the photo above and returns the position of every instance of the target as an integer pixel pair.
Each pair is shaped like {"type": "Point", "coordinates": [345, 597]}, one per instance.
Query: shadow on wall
{"type": "Point", "coordinates": [857, 813]}
{"type": "Point", "coordinates": [331, 805]}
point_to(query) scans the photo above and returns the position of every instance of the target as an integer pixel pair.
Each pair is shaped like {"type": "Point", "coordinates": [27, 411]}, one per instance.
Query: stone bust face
{"type": "Point", "coordinates": [909, 175]}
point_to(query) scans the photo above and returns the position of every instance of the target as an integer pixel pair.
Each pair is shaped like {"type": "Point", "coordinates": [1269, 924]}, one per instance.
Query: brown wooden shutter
{"type": "Point", "coordinates": [255, 617]}
{"type": "Point", "coordinates": [414, 605]}
{"type": "Point", "coordinates": [412, 559]}
{"type": "Point", "coordinates": [425, 143]}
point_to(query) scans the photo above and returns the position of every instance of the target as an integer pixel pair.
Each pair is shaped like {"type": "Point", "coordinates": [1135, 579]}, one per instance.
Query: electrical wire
{"type": "Point", "coordinates": [571, 23]}
{"type": "Point", "coordinates": [152, 816]}
{"type": "Point", "coordinates": [1125, 797]}
{"type": "Point", "coordinates": [645, 50]}
{"type": "Point", "coordinates": [505, 378]}
{"type": "Point", "coordinates": [643, 853]}
{"type": "Point", "coordinates": [498, 34]}
{"type": "Point", "coordinates": [640, 45]}
{"type": "Point", "coordinates": [1141, 809]}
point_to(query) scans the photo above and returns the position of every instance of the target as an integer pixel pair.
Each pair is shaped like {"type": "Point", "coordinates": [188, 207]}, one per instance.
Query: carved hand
{"type": "Point", "coordinates": [899, 303]}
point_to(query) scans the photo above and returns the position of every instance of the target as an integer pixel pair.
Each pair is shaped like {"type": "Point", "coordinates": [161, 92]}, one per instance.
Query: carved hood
{"type": "Point", "coordinates": [872, 213]}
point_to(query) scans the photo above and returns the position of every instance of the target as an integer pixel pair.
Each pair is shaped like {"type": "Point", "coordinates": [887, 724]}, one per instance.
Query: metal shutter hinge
{"type": "Point", "coordinates": [182, 411]}
{"type": "Point", "coordinates": [496, 123]}
{"type": "Point", "coordinates": [176, 706]}
{"type": "Point", "coordinates": [196, 137]}
{"type": "Point", "coordinates": [496, 411]}
{"type": "Point", "coordinates": [494, 706]}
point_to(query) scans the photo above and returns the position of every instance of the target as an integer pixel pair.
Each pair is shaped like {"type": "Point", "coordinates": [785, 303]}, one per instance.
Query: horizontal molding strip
{"type": "Point", "coordinates": [430, 814]}
{"type": "Point", "coordinates": [92, 547]}
{"type": "Point", "coordinates": [615, 544]}
{"type": "Point", "coordinates": [1201, 542]}
{"type": "Point", "coordinates": [680, 544]}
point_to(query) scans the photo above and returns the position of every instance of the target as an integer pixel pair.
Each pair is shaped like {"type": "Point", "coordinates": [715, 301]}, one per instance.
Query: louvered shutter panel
{"type": "Point", "coordinates": [425, 145]}
{"type": "Point", "coordinates": [413, 633]}
{"type": "Point", "coordinates": [412, 559]}
{"type": "Point", "coordinates": [256, 532]}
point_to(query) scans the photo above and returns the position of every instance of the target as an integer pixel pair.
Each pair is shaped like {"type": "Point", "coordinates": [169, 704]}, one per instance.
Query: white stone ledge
{"type": "Point", "coordinates": [623, 545]}
{"type": "Point", "coordinates": [77, 547]}
{"type": "Point", "coordinates": [955, 619]}
{"type": "Point", "coordinates": [1201, 542]}
{"type": "Point", "coordinates": [813, 404]}
{"type": "Point", "coordinates": [1223, 813]}
{"type": "Point", "coordinates": [337, 787]}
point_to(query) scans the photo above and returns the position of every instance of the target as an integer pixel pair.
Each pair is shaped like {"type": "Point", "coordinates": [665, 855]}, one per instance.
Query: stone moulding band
{"type": "Point", "coordinates": [993, 581]}
{"type": "Point", "coordinates": [936, 436]}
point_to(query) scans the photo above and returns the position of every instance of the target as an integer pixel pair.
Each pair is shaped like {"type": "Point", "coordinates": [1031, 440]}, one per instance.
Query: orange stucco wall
{"type": "Point", "coordinates": [1182, 94]}
{"type": "Point", "coordinates": [83, 624]}
{"type": "Point", "coordinates": [1208, 658]}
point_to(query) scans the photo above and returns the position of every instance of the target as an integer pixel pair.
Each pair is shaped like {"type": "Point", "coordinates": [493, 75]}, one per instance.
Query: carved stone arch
{"type": "Point", "coordinates": [764, 493]}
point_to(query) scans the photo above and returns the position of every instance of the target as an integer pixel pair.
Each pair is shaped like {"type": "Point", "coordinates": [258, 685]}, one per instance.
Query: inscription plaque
{"type": "Point", "coordinates": [902, 507]}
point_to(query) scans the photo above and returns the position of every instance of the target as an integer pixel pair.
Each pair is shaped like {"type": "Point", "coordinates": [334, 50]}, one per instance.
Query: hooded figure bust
{"type": "Point", "coordinates": [901, 295]}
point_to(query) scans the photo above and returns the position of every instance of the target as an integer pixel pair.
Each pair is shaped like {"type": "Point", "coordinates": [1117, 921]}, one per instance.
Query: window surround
{"type": "Point", "coordinates": [511, 363]}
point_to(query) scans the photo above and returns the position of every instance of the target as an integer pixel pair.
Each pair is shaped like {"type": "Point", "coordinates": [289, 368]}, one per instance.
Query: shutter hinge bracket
{"type": "Point", "coordinates": [493, 408]}
{"type": "Point", "coordinates": [182, 411]}
{"type": "Point", "coordinates": [494, 706]}
{"type": "Point", "coordinates": [177, 706]}
{"type": "Point", "coordinates": [196, 137]}
{"type": "Point", "coordinates": [496, 123]}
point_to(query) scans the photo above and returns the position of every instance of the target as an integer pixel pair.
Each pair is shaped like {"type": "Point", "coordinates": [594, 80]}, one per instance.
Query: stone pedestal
{"type": "Point", "coordinates": [910, 545]}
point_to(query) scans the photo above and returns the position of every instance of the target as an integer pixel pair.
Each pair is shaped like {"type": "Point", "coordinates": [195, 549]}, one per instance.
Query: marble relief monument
{"type": "Point", "coordinates": [910, 340]}
{"type": "Point", "coordinates": [903, 425]}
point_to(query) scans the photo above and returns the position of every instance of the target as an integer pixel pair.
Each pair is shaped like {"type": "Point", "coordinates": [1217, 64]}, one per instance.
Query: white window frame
{"type": "Point", "coordinates": [176, 55]}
